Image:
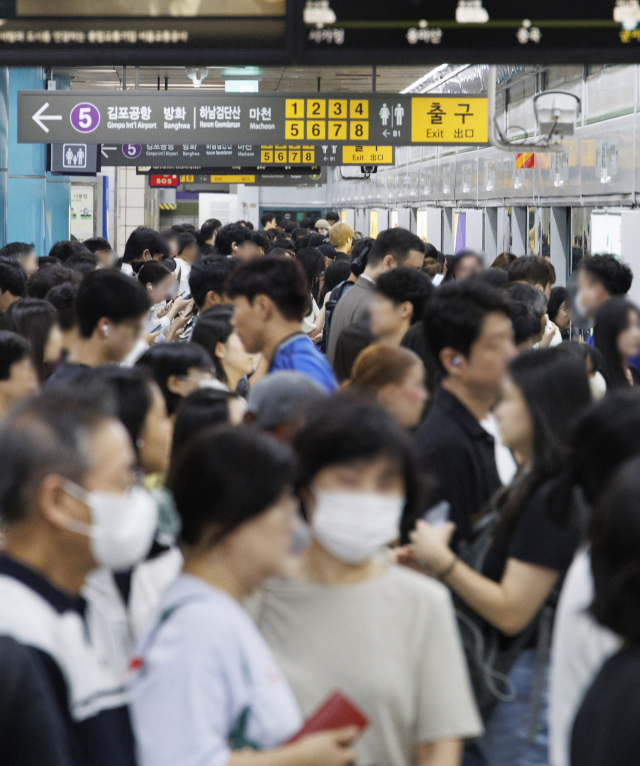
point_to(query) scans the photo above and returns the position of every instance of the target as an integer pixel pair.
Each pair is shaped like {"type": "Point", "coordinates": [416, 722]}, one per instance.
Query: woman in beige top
{"type": "Point", "coordinates": [348, 620]}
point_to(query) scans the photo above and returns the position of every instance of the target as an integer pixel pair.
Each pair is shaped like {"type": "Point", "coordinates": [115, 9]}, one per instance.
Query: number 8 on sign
{"type": "Point", "coordinates": [85, 117]}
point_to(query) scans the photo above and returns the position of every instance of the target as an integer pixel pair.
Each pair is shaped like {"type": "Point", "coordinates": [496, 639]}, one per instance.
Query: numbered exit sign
{"type": "Point", "coordinates": [163, 181]}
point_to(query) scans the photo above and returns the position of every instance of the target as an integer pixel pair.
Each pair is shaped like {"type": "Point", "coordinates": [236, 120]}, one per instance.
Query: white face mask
{"type": "Point", "coordinates": [353, 526]}
{"type": "Point", "coordinates": [598, 386]}
{"type": "Point", "coordinates": [122, 526]}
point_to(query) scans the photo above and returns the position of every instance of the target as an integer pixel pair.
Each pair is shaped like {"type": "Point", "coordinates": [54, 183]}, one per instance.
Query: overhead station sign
{"type": "Point", "coordinates": [183, 156]}
{"type": "Point", "coordinates": [273, 119]}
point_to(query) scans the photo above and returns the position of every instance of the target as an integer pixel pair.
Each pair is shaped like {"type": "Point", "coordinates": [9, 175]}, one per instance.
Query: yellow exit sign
{"type": "Point", "coordinates": [232, 179]}
{"type": "Point", "coordinates": [449, 120]}
{"type": "Point", "coordinates": [367, 155]}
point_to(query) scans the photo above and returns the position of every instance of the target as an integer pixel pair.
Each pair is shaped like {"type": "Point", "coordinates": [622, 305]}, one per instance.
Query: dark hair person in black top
{"type": "Point", "coordinates": [36, 321]}
{"type": "Point", "coordinates": [470, 339]}
{"type": "Point", "coordinates": [606, 730]}
{"type": "Point", "coordinates": [617, 337]}
{"type": "Point", "coordinates": [531, 550]}
{"type": "Point", "coordinates": [12, 282]}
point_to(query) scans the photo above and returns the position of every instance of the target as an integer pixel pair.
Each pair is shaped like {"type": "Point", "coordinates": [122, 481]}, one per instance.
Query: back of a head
{"type": "Point", "coordinates": [210, 275]}
{"type": "Point", "coordinates": [63, 299]}
{"type": "Point", "coordinates": [227, 235]}
{"type": "Point", "coordinates": [616, 277]}
{"type": "Point", "coordinates": [166, 359]}
{"type": "Point", "coordinates": [47, 435]}
{"type": "Point", "coordinates": [380, 365]}
{"type": "Point", "coordinates": [39, 284]}
{"type": "Point", "coordinates": [283, 397]}
{"type": "Point", "coordinates": [526, 325]}
{"type": "Point", "coordinates": [12, 277]}
{"type": "Point", "coordinates": [556, 299]}
{"type": "Point", "coordinates": [208, 229]}
{"type": "Point", "coordinates": [493, 277]}
{"type": "Point", "coordinates": [13, 348]}
{"type": "Point", "coordinates": [267, 218]}
{"type": "Point", "coordinates": [455, 314]}
{"type": "Point", "coordinates": [360, 255]}
{"type": "Point", "coordinates": [397, 243]}
{"type": "Point", "coordinates": [225, 477]}
{"type": "Point", "coordinates": [406, 285]}
{"type": "Point", "coordinates": [82, 262]}
{"type": "Point", "coordinates": [200, 410]}
{"type": "Point", "coordinates": [94, 244]}
{"type": "Point", "coordinates": [615, 554]}
{"type": "Point", "coordinates": [64, 249]}
{"type": "Point", "coordinates": [283, 280]}
{"type": "Point", "coordinates": [141, 239]}
{"type": "Point", "coordinates": [16, 249]}
{"type": "Point", "coordinates": [289, 227]}
{"type": "Point", "coordinates": [532, 297]}
{"type": "Point", "coordinates": [532, 269]}
{"type": "Point", "coordinates": [110, 294]}
{"type": "Point", "coordinates": [33, 319]}
{"type": "Point", "coordinates": [340, 234]}
{"type": "Point", "coordinates": [298, 232]}
{"type": "Point", "coordinates": [503, 261]}
{"type": "Point", "coordinates": [332, 216]}
{"type": "Point", "coordinates": [186, 239]}
{"type": "Point", "coordinates": [607, 434]}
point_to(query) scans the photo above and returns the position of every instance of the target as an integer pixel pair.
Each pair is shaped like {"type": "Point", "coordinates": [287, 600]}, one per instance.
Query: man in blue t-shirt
{"type": "Point", "coordinates": [270, 297]}
{"type": "Point", "coordinates": [600, 277]}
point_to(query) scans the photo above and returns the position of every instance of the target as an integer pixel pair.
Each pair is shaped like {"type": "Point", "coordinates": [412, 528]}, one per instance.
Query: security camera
{"type": "Point", "coordinates": [197, 74]}
{"type": "Point", "coordinates": [369, 169]}
{"type": "Point", "coordinates": [556, 113]}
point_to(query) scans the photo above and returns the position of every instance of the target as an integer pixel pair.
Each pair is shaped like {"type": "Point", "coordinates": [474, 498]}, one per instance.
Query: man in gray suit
{"type": "Point", "coordinates": [392, 248]}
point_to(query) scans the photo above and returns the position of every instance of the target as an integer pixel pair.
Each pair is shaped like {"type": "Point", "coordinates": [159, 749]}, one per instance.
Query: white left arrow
{"type": "Point", "coordinates": [39, 116]}
{"type": "Point", "coordinates": [106, 149]}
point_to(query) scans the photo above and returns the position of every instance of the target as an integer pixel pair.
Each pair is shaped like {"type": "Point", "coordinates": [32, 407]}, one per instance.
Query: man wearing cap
{"type": "Point", "coordinates": [322, 226]}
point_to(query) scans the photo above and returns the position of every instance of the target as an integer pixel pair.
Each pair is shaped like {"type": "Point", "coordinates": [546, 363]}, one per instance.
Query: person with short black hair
{"type": "Point", "coordinates": [284, 244]}
{"type": "Point", "coordinates": [356, 475]}
{"type": "Point", "coordinates": [268, 221]}
{"type": "Point", "coordinates": [203, 409]}
{"type": "Point", "coordinates": [270, 297]}
{"type": "Point", "coordinates": [605, 730]}
{"type": "Point", "coordinates": [64, 249]}
{"type": "Point", "coordinates": [601, 277]}
{"type": "Point", "coordinates": [187, 255]}
{"type": "Point", "coordinates": [63, 299]}
{"type": "Point", "coordinates": [392, 248]}
{"type": "Point", "coordinates": [400, 299]}
{"type": "Point", "coordinates": [69, 505]}
{"type": "Point", "coordinates": [526, 325]}
{"type": "Point", "coordinates": [36, 321]}
{"type": "Point", "coordinates": [18, 376]}
{"type": "Point", "coordinates": [237, 240]}
{"type": "Point", "coordinates": [12, 282]}
{"type": "Point", "coordinates": [208, 232]}
{"type": "Point", "coordinates": [171, 238]}
{"type": "Point", "coordinates": [535, 271]}
{"type": "Point", "coordinates": [536, 302]}
{"type": "Point", "coordinates": [470, 337]}
{"type": "Point", "coordinates": [616, 335]}
{"type": "Point", "coordinates": [263, 242]}
{"type": "Point", "coordinates": [214, 332]}
{"type": "Point", "coordinates": [24, 253]}
{"type": "Point", "coordinates": [143, 244]}
{"type": "Point", "coordinates": [112, 309]}
{"type": "Point", "coordinates": [332, 216]}
{"type": "Point", "coordinates": [232, 489]}
{"type": "Point", "coordinates": [39, 284]}
{"type": "Point", "coordinates": [101, 248]}
{"type": "Point", "coordinates": [207, 280]}
{"type": "Point", "coordinates": [179, 369]}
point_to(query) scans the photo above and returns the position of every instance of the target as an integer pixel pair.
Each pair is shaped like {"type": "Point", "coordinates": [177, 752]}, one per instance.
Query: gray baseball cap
{"type": "Point", "coordinates": [281, 397]}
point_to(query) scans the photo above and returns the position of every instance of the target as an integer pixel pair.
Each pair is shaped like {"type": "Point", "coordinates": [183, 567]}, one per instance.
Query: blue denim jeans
{"type": "Point", "coordinates": [505, 741]}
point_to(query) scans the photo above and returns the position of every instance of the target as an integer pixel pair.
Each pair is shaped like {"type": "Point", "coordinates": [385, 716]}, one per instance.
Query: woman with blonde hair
{"type": "Point", "coordinates": [395, 378]}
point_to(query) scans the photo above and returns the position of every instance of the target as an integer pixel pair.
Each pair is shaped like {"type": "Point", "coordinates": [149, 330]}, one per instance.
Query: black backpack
{"type": "Point", "coordinates": [334, 297]}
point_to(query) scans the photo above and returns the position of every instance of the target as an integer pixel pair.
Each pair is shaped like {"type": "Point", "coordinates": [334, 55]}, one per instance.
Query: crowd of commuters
{"type": "Point", "coordinates": [245, 471]}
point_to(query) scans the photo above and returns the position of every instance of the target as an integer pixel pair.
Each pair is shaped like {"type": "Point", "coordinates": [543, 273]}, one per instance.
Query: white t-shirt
{"type": "Point", "coordinates": [505, 462]}
{"type": "Point", "coordinates": [207, 678]}
{"type": "Point", "coordinates": [185, 270]}
{"type": "Point", "coordinates": [579, 648]}
{"type": "Point", "coordinates": [391, 645]}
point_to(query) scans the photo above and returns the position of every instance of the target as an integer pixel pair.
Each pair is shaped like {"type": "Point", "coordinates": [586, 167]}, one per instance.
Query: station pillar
{"type": "Point", "coordinates": [4, 152]}
{"type": "Point", "coordinates": [57, 197]}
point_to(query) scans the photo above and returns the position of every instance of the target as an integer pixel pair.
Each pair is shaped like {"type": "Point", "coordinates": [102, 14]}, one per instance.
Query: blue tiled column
{"type": "Point", "coordinates": [4, 152]}
{"type": "Point", "coordinates": [58, 197]}
{"type": "Point", "coordinates": [27, 169]}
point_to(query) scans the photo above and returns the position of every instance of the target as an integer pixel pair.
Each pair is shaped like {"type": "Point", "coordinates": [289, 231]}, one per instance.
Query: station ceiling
{"type": "Point", "coordinates": [390, 79]}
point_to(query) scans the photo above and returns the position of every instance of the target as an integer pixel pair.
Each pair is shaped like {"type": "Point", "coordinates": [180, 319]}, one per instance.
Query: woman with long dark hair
{"type": "Point", "coordinates": [617, 336]}
{"type": "Point", "coordinates": [531, 547]}
{"type": "Point", "coordinates": [312, 261]}
{"type": "Point", "coordinates": [37, 321]}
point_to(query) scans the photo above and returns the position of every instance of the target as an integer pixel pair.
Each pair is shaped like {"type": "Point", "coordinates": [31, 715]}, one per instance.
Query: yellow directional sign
{"type": "Point", "coordinates": [440, 120]}
{"type": "Point", "coordinates": [232, 179]}
{"type": "Point", "coordinates": [367, 155]}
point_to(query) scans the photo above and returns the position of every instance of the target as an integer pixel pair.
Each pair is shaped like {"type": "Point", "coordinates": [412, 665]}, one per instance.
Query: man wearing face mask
{"type": "Point", "coordinates": [68, 506]}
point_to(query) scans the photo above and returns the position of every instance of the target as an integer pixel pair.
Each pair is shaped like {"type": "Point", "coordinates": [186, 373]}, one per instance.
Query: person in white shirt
{"type": "Point", "coordinates": [208, 689]}
{"type": "Point", "coordinates": [187, 255]}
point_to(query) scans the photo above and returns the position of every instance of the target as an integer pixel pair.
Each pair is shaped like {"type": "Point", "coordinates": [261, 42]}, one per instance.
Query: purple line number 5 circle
{"type": "Point", "coordinates": [85, 117]}
{"type": "Point", "coordinates": [132, 150]}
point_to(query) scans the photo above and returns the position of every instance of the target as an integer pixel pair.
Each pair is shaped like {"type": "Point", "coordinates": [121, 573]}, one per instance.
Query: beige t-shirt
{"type": "Point", "coordinates": [391, 645]}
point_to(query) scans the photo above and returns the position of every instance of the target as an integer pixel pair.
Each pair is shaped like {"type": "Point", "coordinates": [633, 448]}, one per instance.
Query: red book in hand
{"type": "Point", "coordinates": [337, 712]}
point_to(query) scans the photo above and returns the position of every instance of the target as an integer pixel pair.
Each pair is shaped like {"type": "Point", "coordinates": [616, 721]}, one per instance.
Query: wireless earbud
{"type": "Point", "coordinates": [105, 330]}
{"type": "Point", "coordinates": [455, 361]}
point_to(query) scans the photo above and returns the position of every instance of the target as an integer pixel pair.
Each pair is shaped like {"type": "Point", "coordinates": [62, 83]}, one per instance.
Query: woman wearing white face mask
{"type": "Point", "coordinates": [348, 620]}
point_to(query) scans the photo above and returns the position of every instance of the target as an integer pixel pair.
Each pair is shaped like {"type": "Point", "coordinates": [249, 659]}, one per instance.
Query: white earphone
{"type": "Point", "coordinates": [105, 330]}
